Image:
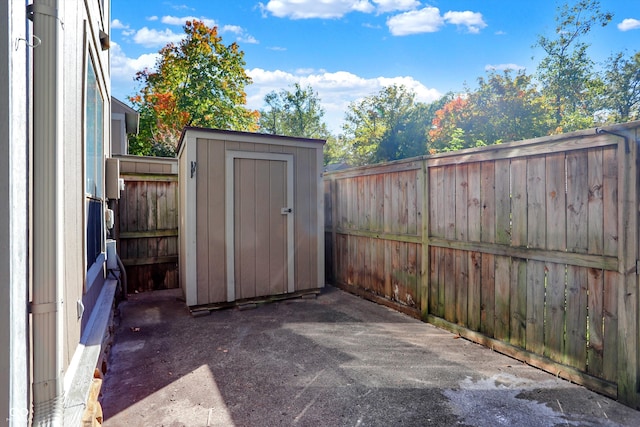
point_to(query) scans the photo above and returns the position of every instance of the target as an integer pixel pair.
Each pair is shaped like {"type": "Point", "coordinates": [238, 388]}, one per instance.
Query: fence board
{"type": "Point", "coordinates": [487, 295]}
{"type": "Point", "coordinates": [474, 302]}
{"type": "Point", "coordinates": [448, 294]}
{"type": "Point", "coordinates": [595, 327]}
{"type": "Point", "coordinates": [487, 203]}
{"type": "Point", "coordinates": [554, 318]}
{"type": "Point", "coordinates": [519, 202]}
{"type": "Point", "coordinates": [518, 302]}
{"type": "Point", "coordinates": [610, 201]}
{"type": "Point", "coordinates": [536, 206]}
{"type": "Point", "coordinates": [595, 212]}
{"type": "Point", "coordinates": [575, 354]}
{"type": "Point", "coordinates": [434, 281]}
{"type": "Point", "coordinates": [474, 210]}
{"type": "Point", "coordinates": [502, 298]}
{"type": "Point", "coordinates": [610, 326]}
{"type": "Point", "coordinates": [577, 195]}
{"type": "Point", "coordinates": [535, 307]}
{"type": "Point", "coordinates": [556, 212]}
{"type": "Point", "coordinates": [503, 201]}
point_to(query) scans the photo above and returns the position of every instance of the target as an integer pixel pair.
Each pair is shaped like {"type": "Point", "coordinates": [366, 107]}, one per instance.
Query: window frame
{"type": "Point", "coordinates": [93, 263]}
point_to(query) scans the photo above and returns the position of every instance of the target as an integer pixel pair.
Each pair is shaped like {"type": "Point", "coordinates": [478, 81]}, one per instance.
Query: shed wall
{"type": "Point", "coordinates": [210, 207]}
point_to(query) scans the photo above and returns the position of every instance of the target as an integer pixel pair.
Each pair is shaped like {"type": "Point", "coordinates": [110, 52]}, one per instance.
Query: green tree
{"type": "Point", "coordinates": [566, 70]}
{"type": "Point", "coordinates": [622, 83]}
{"type": "Point", "coordinates": [504, 107]}
{"type": "Point", "coordinates": [387, 126]}
{"type": "Point", "coordinates": [295, 112]}
{"type": "Point", "coordinates": [198, 82]}
{"type": "Point", "coordinates": [507, 108]}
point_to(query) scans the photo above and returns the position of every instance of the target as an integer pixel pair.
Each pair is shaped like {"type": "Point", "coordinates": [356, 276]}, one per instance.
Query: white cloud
{"type": "Point", "coordinates": [241, 34]}
{"type": "Point", "coordinates": [248, 39]}
{"type": "Point", "coordinates": [385, 6]}
{"type": "Point", "coordinates": [326, 9]}
{"type": "Point", "coordinates": [472, 20]}
{"type": "Point", "coordinates": [124, 69]}
{"type": "Point", "coordinates": [277, 48]}
{"type": "Point", "coordinates": [116, 24]}
{"type": "Point", "coordinates": [236, 29]}
{"type": "Point", "coordinates": [152, 18]}
{"type": "Point", "coordinates": [629, 24]}
{"type": "Point", "coordinates": [156, 38]}
{"type": "Point", "coordinates": [175, 20]}
{"type": "Point", "coordinates": [335, 90]}
{"type": "Point", "coordinates": [427, 20]}
{"type": "Point", "coordinates": [504, 67]}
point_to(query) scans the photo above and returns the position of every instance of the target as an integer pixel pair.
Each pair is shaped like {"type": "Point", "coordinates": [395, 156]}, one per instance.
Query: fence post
{"type": "Point", "coordinates": [424, 262]}
{"type": "Point", "coordinates": [628, 297]}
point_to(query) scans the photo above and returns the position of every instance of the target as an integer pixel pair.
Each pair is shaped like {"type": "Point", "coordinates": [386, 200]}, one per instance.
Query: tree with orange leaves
{"type": "Point", "coordinates": [198, 82]}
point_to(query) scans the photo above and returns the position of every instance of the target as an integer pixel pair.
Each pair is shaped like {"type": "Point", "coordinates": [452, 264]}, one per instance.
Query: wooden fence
{"type": "Point", "coordinates": [529, 248]}
{"type": "Point", "coordinates": [147, 226]}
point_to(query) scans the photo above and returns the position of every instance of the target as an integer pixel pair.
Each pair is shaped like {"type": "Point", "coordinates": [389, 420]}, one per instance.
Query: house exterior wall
{"type": "Point", "coordinates": [83, 21]}
{"type": "Point", "coordinates": [14, 385]}
{"type": "Point", "coordinates": [205, 234]}
{"type": "Point", "coordinates": [52, 333]}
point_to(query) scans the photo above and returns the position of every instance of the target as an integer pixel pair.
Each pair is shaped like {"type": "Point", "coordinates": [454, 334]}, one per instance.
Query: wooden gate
{"type": "Point", "coordinates": [147, 226]}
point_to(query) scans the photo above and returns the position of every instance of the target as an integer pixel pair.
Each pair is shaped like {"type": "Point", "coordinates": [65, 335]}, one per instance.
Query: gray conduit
{"type": "Point", "coordinates": [123, 274]}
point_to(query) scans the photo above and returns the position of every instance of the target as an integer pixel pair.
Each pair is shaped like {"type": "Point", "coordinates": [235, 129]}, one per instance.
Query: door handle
{"type": "Point", "coordinates": [285, 211]}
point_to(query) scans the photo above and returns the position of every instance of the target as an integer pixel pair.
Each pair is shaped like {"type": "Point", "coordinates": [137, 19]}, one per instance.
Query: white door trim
{"type": "Point", "coordinates": [230, 156]}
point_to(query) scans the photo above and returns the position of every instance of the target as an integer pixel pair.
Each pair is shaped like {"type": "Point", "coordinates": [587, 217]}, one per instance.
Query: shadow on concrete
{"type": "Point", "coordinates": [336, 360]}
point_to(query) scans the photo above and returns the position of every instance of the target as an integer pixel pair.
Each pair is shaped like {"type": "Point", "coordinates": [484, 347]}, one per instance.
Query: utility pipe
{"type": "Point", "coordinates": [47, 216]}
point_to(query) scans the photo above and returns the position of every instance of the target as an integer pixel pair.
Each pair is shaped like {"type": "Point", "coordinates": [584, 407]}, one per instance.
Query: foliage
{"type": "Point", "coordinates": [566, 71]}
{"type": "Point", "coordinates": [622, 82]}
{"type": "Point", "coordinates": [502, 108]}
{"type": "Point", "coordinates": [336, 150]}
{"type": "Point", "coordinates": [446, 132]}
{"type": "Point", "coordinates": [295, 112]}
{"type": "Point", "coordinates": [198, 82]}
{"type": "Point", "coordinates": [386, 126]}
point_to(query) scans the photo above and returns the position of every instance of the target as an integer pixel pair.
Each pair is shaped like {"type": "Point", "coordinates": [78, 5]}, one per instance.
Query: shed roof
{"type": "Point", "coordinates": [241, 135]}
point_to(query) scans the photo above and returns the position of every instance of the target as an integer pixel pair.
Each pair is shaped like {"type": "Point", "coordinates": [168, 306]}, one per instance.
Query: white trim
{"type": "Point", "coordinates": [230, 156]}
{"type": "Point", "coordinates": [96, 270]}
{"type": "Point", "coordinates": [320, 186]}
{"type": "Point", "coordinates": [79, 374]}
{"type": "Point", "coordinates": [189, 223]}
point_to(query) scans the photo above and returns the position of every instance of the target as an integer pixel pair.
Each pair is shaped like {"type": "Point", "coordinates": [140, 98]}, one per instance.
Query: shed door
{"type": "Point", "coordinates": [261, 222]}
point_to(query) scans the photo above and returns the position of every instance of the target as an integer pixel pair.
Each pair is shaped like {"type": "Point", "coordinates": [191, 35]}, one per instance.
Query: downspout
{"type": "Point", "coordinates": [47, 203]}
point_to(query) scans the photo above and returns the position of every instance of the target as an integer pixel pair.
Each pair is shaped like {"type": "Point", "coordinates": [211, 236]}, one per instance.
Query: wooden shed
{"type": "Point", "coordinates": [251, 215]}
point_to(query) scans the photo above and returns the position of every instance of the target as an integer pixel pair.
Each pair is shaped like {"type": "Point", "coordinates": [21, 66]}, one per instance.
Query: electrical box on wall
{"type": "Point", "coordinates": [112, 177]}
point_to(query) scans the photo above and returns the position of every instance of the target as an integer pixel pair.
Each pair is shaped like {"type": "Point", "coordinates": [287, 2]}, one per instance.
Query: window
{"type": "Point", "coordinates": [94, 165]}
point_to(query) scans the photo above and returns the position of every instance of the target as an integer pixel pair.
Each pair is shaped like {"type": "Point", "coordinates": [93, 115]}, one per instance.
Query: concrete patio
{"type": "Point", "coordinates": [334, 360]}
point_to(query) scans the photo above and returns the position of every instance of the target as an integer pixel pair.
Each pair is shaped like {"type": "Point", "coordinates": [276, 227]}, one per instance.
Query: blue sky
{"type": "Point", "coordinates": [349, 49]}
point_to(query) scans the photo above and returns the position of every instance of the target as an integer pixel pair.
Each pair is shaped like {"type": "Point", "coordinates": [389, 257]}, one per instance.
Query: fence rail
{"type": "Point", "coordinates": [528, 247]}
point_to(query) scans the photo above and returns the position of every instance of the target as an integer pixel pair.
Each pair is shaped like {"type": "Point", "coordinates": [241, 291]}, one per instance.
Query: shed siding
{"type": "Point", "coordinates": [209, 204]}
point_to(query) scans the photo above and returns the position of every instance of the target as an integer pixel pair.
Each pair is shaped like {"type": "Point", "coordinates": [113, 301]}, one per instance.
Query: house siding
{"type": "Point", "coordinates": [83, 21]}
{"type": "Point", "coordinates": [14, 385]}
